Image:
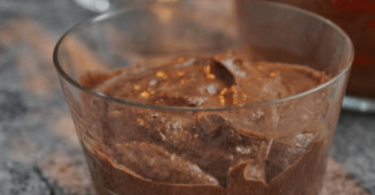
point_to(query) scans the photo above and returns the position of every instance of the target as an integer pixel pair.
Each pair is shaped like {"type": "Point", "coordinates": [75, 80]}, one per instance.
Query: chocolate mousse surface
{"type": "Point", "coordinates": [156, 151]}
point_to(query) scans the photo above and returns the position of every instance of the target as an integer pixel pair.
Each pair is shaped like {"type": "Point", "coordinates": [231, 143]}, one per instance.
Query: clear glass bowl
{"type": "Point", "coordinates": [290, 137]}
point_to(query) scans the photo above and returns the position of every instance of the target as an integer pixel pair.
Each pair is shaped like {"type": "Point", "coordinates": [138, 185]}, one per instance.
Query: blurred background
{"type": "Point", "coordinates": [39, 151]}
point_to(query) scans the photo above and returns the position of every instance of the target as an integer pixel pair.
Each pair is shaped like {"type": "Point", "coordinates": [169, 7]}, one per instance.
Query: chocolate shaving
{"type": "Point", "coordinates": [221, 72]}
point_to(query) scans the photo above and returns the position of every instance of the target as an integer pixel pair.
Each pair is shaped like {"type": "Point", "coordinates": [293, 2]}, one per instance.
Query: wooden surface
{"type": "Point", "coordinates": [39, 150]}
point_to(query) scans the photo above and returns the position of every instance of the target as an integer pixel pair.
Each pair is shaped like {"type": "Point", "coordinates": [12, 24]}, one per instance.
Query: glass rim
{"type": "Point", "coordinates": [108, 15]}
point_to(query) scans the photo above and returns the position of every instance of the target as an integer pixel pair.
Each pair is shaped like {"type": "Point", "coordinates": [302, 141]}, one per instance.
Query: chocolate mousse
{"type": "Point", "coordinates": [167, 141]}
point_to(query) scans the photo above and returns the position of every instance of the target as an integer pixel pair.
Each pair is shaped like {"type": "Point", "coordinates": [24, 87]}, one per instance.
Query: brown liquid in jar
{"type": "Point", "coordinates": [357, 18]}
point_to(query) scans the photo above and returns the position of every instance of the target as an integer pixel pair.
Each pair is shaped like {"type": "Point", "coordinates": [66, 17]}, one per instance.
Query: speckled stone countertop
{"type": "Point", "coordinates": [39, 151]}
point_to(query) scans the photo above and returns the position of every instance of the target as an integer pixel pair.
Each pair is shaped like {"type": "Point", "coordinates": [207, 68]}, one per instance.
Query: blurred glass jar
{"type": "Point", "coordinates": [101, 6]}
{"type": "Point", "coordinates": [357, 18]}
